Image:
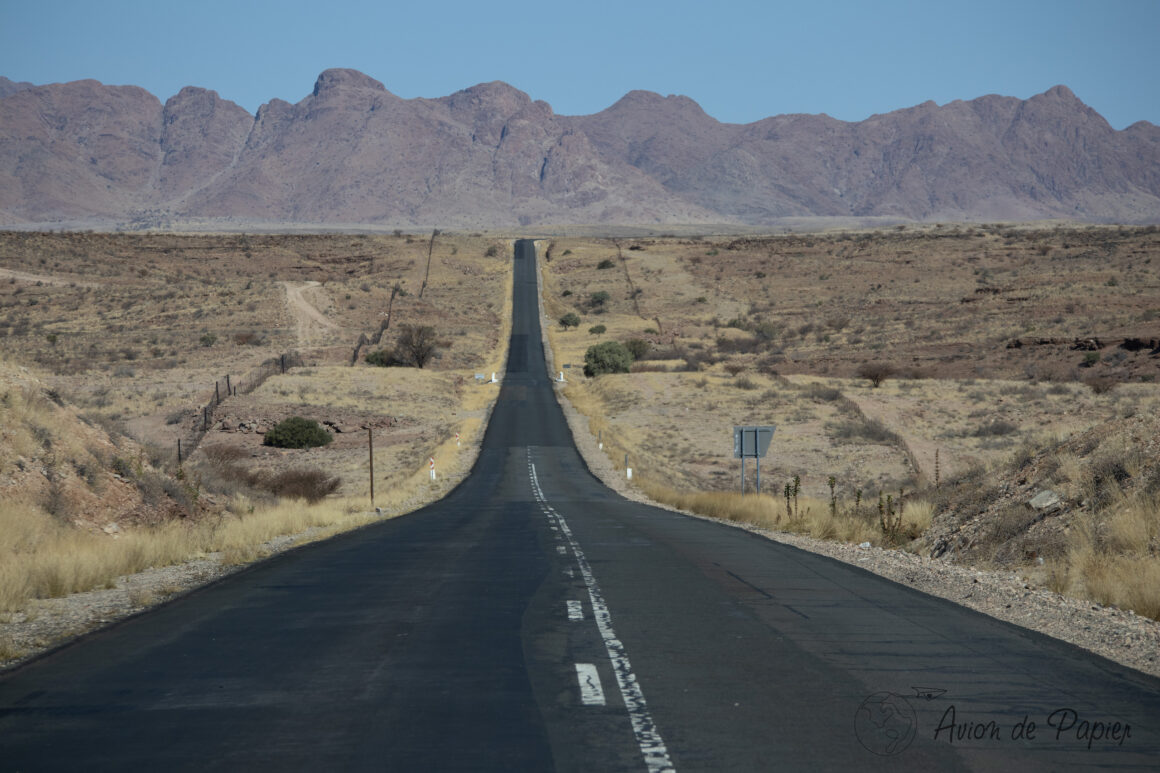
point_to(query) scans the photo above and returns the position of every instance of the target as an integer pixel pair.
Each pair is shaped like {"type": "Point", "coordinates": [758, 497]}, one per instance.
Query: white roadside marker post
{"type": "Point", "coordinates": [431, 462]}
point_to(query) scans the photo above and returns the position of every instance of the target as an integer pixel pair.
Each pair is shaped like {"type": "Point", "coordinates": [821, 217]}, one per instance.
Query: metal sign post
{"type": "Point", "coordinates": [751, 443]}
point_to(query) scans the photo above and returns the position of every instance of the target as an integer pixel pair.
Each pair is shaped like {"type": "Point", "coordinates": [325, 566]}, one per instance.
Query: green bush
{"type": "Point", "coordinates": [597, 330]}
{"type": "Point", "coordinates": [606, 263]}
{"type": "Point", "coordinates": [383, 358]}
{"type": "Point", "coordinates": [297, 432]}
{"type": "Point", "coordinates": [569, 320]}
{"type": "Point", "coordinates": [637, 347]}
{"type": "Point", "coordinates": [607, 357]}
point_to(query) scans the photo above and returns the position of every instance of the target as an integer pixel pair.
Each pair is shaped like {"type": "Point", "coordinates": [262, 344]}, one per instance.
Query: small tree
{"type": "Point", "coordinates": [297, 432]}
{"type": "Point", "coordinates": [638, 347]}
{"type": "Point", "coordinates": [597, 330]}
{"type": "Point", "coordinates": [875, 372]}
{"type": "Point", "coordinates": [569, 320]}
{"type": "Point", "coordinates": [415, 345]}
{"type": "Point", "coordinates": [607, 357]}
{"type": "Point", "coordinates": [598, 299]}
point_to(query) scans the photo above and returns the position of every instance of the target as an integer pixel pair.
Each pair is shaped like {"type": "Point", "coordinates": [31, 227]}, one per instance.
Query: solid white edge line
{"type": "Point", "coordinates": [648, 737]}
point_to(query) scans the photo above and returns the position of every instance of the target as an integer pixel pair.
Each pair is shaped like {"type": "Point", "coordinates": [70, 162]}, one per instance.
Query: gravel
{"type": "Point", "coordinates": [1116, 634]}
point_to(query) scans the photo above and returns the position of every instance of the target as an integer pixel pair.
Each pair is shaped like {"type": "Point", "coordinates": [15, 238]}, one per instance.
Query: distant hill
{"type": "Point", "coordinates": [353, 153]}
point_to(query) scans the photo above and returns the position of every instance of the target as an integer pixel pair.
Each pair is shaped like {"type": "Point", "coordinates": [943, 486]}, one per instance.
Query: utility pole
{"type": "Point", "coordinates": [430, 247]}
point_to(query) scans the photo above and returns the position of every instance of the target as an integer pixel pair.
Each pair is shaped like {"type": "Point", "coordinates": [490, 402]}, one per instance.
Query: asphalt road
{"type": "Point", "coordinates": [534, 621]}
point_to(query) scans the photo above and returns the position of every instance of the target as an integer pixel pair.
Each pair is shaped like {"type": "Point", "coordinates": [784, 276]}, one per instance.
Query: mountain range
{"type": "Point", "coordinates": [489, 156]}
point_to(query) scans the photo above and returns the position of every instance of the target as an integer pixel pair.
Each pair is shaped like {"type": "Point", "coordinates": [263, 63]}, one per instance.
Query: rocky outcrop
{"type": "Point", "coordinates": [353, 152]}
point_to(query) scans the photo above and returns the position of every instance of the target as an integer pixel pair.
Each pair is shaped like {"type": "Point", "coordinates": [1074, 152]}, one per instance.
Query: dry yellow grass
{"type": "Point", "coordinates": [160, 317]}
{"type": "Point", "coordinates": [1115, 558]}
{"type": "Point", "coordinates": [468, 299]}
{"type": "Point", "coordinates": [843, 520]}
{"type": "Point", "coordinates": [41, 558]}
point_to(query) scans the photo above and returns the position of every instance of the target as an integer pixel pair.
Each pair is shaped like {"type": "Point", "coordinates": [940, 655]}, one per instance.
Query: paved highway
{"type": "Point", "coordinates": [535, 621]}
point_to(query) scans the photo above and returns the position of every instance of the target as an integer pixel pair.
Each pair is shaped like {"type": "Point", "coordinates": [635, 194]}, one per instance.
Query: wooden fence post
{"type": "Point", "coordinates": [371, 449]}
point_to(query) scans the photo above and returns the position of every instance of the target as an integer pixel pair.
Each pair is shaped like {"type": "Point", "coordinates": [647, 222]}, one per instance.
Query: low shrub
{"type": "Point", "coordinates": [871, 430]}
{"type": "Point", "coordinates": [383, 358]}
{"type": "Point", "coordinates": [607, 357]}
{"type": "Point", "coordinates": [994, 428]}
{"type": "Point", "coordinates": [875, 372]}
{"type": "Point", "coordinates": [309, 484]}
{"type": "Point", "coordinates": [823, 393]}
{"type": "Point", "coordinates": [297, 432]}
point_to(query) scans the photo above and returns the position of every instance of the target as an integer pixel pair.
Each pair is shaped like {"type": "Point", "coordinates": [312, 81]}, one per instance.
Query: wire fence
{"type": "Point", "coordinates": [229, 387]}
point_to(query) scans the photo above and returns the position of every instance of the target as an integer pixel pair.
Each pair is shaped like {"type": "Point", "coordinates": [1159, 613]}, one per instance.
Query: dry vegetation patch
{"type": "Point", "coordinates": [896, 365]}
{"type": "Point", "coordinates": [111, 347]}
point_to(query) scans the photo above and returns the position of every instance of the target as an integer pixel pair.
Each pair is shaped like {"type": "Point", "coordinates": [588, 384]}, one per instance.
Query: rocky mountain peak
{"type": "Point", "coordinates": [8, 87]}
{"type": "Point", "coordinates": [488, 155]}
{"type": "Point", "coordinates": [340, 78]}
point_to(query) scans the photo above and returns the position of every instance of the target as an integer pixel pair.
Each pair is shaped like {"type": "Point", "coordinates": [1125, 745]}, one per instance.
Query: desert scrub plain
{"type": "Point", "coordinates": [112, 345]}
{"type": "Point", "coordinates": [1010, 421]}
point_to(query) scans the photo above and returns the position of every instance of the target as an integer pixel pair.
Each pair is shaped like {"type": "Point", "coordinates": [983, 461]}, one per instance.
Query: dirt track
{"type": "Point", "coordinates": [310, 323]}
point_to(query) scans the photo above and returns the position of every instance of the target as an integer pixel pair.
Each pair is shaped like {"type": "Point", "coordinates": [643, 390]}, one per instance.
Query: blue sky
{"type": "Point", "coordinates": [740, 60]}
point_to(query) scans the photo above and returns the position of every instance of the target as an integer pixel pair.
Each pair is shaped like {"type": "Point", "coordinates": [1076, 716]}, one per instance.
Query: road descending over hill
{"type": "Point", "coordinates": [535, 621]}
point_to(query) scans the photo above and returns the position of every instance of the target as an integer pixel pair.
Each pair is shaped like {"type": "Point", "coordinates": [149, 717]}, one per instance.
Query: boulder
{"type": "Point", "coordinates": [1046, 501]}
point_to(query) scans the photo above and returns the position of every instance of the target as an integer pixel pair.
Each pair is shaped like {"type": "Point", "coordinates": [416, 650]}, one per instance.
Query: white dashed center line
{"type": "Point", "coordinates": [648, 738]}
{"type": "Point", "coordinates": [575, 610]}
{"type": "Point", "coordinates": [591, 693]}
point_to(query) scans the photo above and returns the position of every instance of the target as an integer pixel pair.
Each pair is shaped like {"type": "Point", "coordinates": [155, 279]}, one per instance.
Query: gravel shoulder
{"type": "Point", "coordinates": [1118, 635]}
